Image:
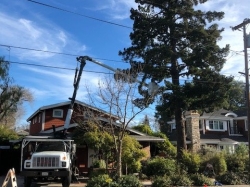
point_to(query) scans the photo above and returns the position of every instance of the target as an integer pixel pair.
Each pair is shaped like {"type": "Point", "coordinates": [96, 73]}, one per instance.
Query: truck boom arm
{"type": "Point", "coordinates": [82, 60]}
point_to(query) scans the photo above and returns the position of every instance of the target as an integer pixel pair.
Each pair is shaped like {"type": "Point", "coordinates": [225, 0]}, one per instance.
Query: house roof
{"type": "Point", "coordinates": [22, 132]}
{"type": "Point", "coordinates": [147, 138]}
{"type": "Point", "coordinates": [221, 113]}
{"type": "Point", "coordinates": [63, 104]}
{"type": "Point", "coordinates": [141, 137]}
{"type": "Point", "coordinates": [213, 139]}
{"type": "Point", "coordinates": [223, 139]}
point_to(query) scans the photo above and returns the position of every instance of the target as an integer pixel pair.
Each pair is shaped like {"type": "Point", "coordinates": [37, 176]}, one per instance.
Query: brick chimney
{"type": "Point", "coordinates": [192, 129]}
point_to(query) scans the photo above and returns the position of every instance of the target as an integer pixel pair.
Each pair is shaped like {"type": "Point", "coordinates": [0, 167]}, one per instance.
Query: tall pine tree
{"type": "Point", "coordinates": [173, 41]}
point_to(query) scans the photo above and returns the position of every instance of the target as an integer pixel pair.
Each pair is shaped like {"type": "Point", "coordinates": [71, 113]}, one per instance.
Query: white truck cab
{"type": "Point", "coordinates": [47, 158]}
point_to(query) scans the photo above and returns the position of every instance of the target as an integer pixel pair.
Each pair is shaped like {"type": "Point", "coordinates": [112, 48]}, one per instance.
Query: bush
{"type": "Point", "coordinates": [159, 167]}
{"type": "Point", "coordinates": [231, 178]}
{"type": "Point", "coordinates": [191, 161]}
{"type": "Point", "coordinates": [99, 164]}
{"type": "Point", "coordinates": [161, 182]}
{"type": "Point", "coordinates": [236, 163]}
{"type": "Point", "coordinates": [129, 181]}
{"type": "Point", "coordinates": [181, 180]}
{"type": "Point", "coordinates": [220, 165]}
{"type": "Point", "coordinates": [217, 161]}
{"type": "Point", "coordinates": [97, 171]}
{"type": "Point", "coordinates": [101, 181]}
{"type": "Point", "coordinates": [200, 180]}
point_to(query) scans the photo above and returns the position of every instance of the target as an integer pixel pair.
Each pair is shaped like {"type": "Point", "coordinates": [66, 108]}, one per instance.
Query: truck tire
{"type": "Point", "coordinates": [27, 181]}
{"type": "Point", "coordinates": [66, 180]}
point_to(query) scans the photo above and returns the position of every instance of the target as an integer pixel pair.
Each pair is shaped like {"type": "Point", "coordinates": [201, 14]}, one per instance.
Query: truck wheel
{"type": "Point", "coordinates": [66, 180]}
{"type": "Point", "coordinates": [27, 181]}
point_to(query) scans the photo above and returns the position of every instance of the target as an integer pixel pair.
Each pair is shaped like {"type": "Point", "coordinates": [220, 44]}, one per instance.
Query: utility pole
{"type": "Point", "coordinates": [243, 24]}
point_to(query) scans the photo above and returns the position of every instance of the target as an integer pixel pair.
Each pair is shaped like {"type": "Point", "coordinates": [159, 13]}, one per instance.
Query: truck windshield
{"type": "Point", "coordinates": [50, 146]}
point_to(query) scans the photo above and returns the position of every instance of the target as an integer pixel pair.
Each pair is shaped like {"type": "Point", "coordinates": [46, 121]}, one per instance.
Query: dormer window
{"type": "Point", "coordinates": [57, 113]}
{"type": "Point", "coordinates": [216, 125]}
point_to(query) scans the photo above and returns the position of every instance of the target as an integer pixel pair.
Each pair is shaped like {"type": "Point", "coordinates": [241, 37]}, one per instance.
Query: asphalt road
{"type": "Point", "coordinates": [18, 182]}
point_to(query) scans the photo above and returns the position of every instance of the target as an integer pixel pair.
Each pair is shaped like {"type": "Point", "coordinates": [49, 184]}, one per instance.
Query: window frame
{"type": "Point", "coordinates": [57, 116]}
{"type": "Point", "coordinates": [216, 125]}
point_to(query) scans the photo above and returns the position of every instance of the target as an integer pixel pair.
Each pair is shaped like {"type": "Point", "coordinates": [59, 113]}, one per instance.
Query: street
{"type": "Point", "coordinates": [19, 182]}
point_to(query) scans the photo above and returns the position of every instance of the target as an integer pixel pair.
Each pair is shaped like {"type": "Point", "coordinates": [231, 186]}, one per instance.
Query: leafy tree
{"type": "Point", "coordinates": [143, 128]}
{"type": "Point", "coordinates": [117, 98]}
{"type": "Point", "coordinates": [7, 134]}
{"type": "Point", "coordinates": [165, 147]}
{"type": "Point", "coordinates": [97, 139]}
{"type": "Point", "coordinates": [132, 154]}
{"type": "Point", "coordinates": [173, 41]}
{"type": "Point", "coordinates": [11, 96]}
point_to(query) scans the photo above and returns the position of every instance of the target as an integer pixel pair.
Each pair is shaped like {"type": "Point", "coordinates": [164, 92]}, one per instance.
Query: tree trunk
{"type": "Point", "coordinates": [119, 159]}
{"type": "Point", "coordinates": [181, 136]}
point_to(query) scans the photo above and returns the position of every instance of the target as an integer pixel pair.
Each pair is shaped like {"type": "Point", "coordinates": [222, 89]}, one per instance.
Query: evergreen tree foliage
{"type": "Point", "coordinates": [174, 41]}
{"type": "Point", "coordinates": [237, 96]}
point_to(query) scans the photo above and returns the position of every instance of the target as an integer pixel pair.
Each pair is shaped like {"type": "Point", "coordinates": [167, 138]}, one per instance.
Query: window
{"type": "Point", "coordinates": [58, 113]}
{"type": "Point", "coordinates": [216, 125]}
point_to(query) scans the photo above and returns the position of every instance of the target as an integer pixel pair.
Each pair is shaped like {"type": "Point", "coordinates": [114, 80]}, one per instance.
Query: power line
{"type": "Point", "coordinates": [53, 67]}
{"type": "Point", "coordinates": [71, 69]}
{"type": "Point", "coordinates": [53, 52]}
{"type": "Point", "coordinates": [97, 19]}
{"type": "Point", "coordinates": [60, 53]}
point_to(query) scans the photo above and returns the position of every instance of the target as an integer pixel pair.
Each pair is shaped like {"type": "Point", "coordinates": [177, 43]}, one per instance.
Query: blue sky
{"type": "Point", "coordinates": [25, 24]}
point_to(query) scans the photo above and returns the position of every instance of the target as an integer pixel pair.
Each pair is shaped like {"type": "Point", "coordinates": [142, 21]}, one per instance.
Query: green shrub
{"type": "Point", "coordinates": [159, 167]}
{"type": "Point", "coordinates": [99, 164]}
{"type": "Point", "coordinates": [236, 163]}
{"type": "Point", "coordinates": [101, 181]}
{"type": "Point", "coordinates": [231, 178]}
{"type": "Point", "coordinates": [161, 182]}
{"type": "Point", "coordinates": [200, 180]}
{"type": "Point", "coordinates": [129, 181]}
{"type": "Point", "coordinates": [97, 171]}
{"type": "Point", "coordinates": [191, 161]}
{"type": "Point", "coordinates": [181, 180]}
{"type": "Point", "coordinates": [219, 163]}
{"type": "Point", "coordinates": [142, 176]}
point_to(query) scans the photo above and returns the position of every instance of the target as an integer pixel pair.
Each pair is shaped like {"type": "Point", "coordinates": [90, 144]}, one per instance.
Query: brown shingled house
{"type": "Point", "coordinates": [43, 120]}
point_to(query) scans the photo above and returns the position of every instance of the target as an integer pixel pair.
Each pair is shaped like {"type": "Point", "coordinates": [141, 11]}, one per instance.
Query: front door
{"type": "Point", "coordinates": [82, 159]}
